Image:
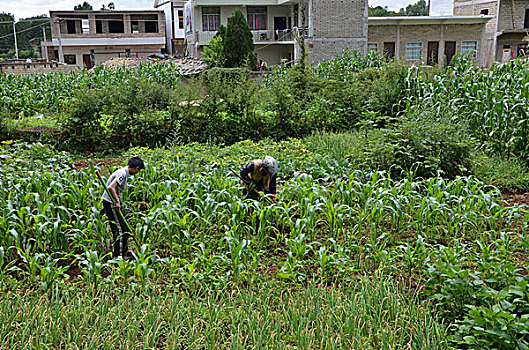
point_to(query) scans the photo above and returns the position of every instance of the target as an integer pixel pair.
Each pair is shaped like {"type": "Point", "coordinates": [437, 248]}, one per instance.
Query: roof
{"type": "Point", "coordinates": [418, 20]}
{"type": "Point", "coordinates": [104, 12]}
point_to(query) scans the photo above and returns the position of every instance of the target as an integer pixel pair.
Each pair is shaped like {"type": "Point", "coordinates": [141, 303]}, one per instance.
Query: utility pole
{"type": "Point", "coordinates": [15, 35]}
{"type": "Point", "coordinates": [45, 53]}
{"type": "Point", "coordinates": [61, 56]}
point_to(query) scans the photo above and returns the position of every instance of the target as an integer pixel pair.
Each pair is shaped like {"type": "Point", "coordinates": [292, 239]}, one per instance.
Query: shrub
{"type": "Point", "coordinates": [426, 148]}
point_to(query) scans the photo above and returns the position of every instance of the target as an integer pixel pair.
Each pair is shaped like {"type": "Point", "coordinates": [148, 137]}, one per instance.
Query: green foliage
{"type": "Point", "coordinates": [510, 175]}
{"type": "Point", "coordinates": [85, 6]}
{"type": "Point", "coordinates": [213, 53]}
{"type": "Point", "coordinates": [238, 43]}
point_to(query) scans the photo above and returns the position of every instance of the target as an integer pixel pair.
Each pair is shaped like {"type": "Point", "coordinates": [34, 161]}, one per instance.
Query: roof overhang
{"type": "Point", "coordinates": [422, 20]}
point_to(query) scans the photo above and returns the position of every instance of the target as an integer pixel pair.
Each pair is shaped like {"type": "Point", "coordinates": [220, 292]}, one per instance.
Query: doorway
{"type": "Point", "coordinates": [450, 51]}
{"type": "Point", "coordinates": [389, 50]}
{"type": "Point", "coordinates": [87, 61]}
{"type": "Point", "coordinates": [280, 24]}
{"type": "Point", "coordinates": [433, 53]}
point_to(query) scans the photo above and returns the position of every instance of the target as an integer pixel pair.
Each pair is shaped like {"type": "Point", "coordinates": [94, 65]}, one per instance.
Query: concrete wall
{"type": "Point", "coordinates": [273, 54]}
{"type": "Point", "coordinates": [441, 8]}
{"type": "Point", "coordinates": [336, 25]}
{"type": "Point", "coordinates": [425, 33]}
{"type": "Point", "coordinates": [512, 18]}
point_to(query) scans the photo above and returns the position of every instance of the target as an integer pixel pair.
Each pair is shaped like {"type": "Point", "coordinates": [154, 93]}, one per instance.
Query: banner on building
{"type": "Point", "coordinates": [188, 15]}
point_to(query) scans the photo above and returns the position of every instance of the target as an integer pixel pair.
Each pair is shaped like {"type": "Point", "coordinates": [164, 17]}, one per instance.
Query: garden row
{"type": "Point", "coordinates": [455, 243]}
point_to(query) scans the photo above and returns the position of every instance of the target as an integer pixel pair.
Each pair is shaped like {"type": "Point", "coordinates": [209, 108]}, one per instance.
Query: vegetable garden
{"type": "Point", "coordinates": [388, 234]}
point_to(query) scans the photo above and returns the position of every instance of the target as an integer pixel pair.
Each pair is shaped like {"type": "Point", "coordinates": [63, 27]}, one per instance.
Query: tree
{"type": "Point", "coordinates": [83, 7]}
{"type": "Point", "coordinates": [109, 7]}
{"type": "Point", "coordinates": [238, 43]}
{"type": "Point", "coordinates": [380, 11]}
{"type": "Point", "coordinates": [213, 54]}
{"type": "Point", "coordinates": [418, 9]}
{"type": "Point", "coordinates": [27, 29]}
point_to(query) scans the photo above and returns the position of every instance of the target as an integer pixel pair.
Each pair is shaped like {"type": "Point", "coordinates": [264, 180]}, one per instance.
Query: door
{"type": "Point", "coordinates": [87, 61]}
{"type": "Point", "coordinates": [389, 50]}
{"type": "Point", "coordinates": [433, 53]}
{"type": "Point", "coordinates": [280, 23]}
{"type": "Point", "coordinates": [450, 51]}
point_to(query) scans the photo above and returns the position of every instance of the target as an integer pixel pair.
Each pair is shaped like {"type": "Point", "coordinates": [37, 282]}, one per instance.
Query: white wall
{"type": "Point", "coordinates": [441, 7]}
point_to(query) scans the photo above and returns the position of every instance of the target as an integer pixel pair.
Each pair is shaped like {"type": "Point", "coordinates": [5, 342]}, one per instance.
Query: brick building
{"type": "Point", "coordinates": [429, 40]}
{"type": "Point", "coordinates": [87, 38]}
{"type": "Point", "coordinates": [507, 34]}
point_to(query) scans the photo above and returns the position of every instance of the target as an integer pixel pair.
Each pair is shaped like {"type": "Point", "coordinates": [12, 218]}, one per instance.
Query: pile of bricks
{"type": "Point", "coordinates": [185, 66]}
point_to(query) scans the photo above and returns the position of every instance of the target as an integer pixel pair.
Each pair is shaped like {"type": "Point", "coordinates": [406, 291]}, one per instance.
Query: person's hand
{"type": "Point", "coordinates": [118, 205]}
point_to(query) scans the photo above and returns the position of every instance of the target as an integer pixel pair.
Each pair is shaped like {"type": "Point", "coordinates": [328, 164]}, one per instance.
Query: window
{"type": "Point", "coordinates": [484, 12]}
{"type": "Point", "coordinates": [116, 27]}
{"type": "Point", "coordinates": [180, 19]}
{"type": "Point", "coordinates": [413, 51]}
{"type": "Point", "coordinates": [134, 27]}
{"type": "Point", "coordinates": [256, 17]}
{"type": "Point", "coordinates": [70, 27]}
{"type": "Point", "coordinates": [85, 26]}
{"type": "Point", "coordinates": [210, 19]}
{"type": "Point", "coordinates": [151, 26]}
{"type": "Point", "coordinates": [99, 27]}
{"type": "Point", "coordinates": [526, 20]}
{"type": "Point", "coordinates": [70, 59]}
{"type": "Point", "coordinates": [372, 47]}
{"type": "Point", "coordinates": [469, 48]}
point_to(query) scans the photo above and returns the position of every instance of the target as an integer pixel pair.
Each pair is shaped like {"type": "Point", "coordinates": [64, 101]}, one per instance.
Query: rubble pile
{"type": "Point", "coordinates": [185, 66]}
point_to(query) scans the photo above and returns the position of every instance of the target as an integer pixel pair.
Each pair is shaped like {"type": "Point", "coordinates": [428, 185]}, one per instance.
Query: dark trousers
{"type": "Point", "coordinates": [120, 231]}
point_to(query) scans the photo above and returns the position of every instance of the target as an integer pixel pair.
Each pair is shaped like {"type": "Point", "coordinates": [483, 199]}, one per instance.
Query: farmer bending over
{"type": "Point", "coordinates": [262, 175]}
{"type": "Point", "coordinates": [116, 184]}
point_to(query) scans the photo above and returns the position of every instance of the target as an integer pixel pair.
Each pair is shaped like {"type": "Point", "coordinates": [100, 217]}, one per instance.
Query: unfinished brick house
{"type": "Point", "coordinates": [331, 26]}
{"type": "Point", "coordinates": [508, 32]}
{"type": "Point", "coordinates": [87, 38]}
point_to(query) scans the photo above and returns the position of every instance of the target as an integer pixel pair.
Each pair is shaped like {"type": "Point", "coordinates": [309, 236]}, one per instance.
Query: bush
{"type": "Point", "coordinates": [116, 117]}
{"type": "Point", "coordinates": [507, 174]}
{"type": "Point", "coordinates": [426, 148]}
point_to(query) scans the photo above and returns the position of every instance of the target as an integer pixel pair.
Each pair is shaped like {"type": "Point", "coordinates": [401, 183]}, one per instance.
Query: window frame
{"type": "Point", "coordinates": [414, 51]}
{"type": "Point", "coordinates": [370, 46]}
{"type": "Point", "coordinates": [469, 50]}
{"type": "Point", "coordinates": [257, 17]}
{"type": "Point", "coordinates": [210, 21]}
{"type": "Point", "coordinates": [68, 60]}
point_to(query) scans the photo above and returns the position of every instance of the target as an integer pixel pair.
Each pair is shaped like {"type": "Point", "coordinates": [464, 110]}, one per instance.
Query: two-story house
{"type": "Point", "coordinates": [328, 26]}
{"type": "Point", "coordinates": [87, 38]}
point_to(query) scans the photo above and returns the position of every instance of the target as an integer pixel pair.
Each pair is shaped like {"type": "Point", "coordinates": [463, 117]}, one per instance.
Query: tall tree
{"type": "Point", "coordinates": [27, 29]}
{"type": "Point", "coordinates": [420, 8]}
{"type": "Point", "coordinates": [379, 11]}
{"type": "Point", "coordinates": [83, 7]}
{"type": "Point", "coordinates": [238, 43]}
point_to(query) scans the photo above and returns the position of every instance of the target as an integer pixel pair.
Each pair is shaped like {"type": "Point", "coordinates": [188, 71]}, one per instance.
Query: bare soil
{"type": "Point", "coordinates": [81, 164]}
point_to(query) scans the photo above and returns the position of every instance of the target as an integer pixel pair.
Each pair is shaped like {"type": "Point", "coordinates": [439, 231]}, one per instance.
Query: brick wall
{"type": "Point", "coordinates": [337, 25]}
{"type": "Point", "coordinates": [425, 33]}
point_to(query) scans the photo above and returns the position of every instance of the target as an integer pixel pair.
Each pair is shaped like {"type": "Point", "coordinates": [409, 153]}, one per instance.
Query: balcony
{"type": "Point", "coordinates": [259, 37]}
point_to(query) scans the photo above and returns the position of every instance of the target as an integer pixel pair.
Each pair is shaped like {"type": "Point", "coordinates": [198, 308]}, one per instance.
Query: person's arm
{"type": "Point", "coordinates": [246, 171]}
{"type": "Point", "coordinates": [273, 185]}
{"type": "Point", "coordinates": [114, 194]}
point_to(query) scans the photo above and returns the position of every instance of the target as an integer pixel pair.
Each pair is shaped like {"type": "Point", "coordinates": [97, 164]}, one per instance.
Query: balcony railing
{"type": "Point", "coordinates": [259, 36]}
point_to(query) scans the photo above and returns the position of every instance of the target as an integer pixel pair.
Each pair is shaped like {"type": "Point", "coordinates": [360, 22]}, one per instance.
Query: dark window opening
{"type": "Point", "coordinates": [99, 27]}
{"type": "Point", "coordinates": [70, 59]}
{"type": "Point", "coordinates": [70, 27]}
{"type": "Point", "coordinates": [484, 12]}
{"type": "Point", "coordinates": [134, 27]}
{"type": "Point", "coordinates": [151, 27]}
{"type": "Point", "coordinates": [526, 21]}
{"type": "Point", "coordinates": [116, 27]}
{"type": "Point", "coordinates": [180, 19]}
{"type": "Point", "coordinates": [56, 55]}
